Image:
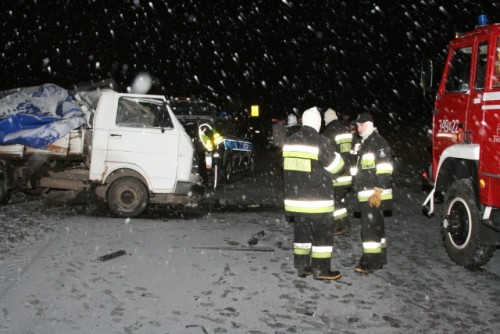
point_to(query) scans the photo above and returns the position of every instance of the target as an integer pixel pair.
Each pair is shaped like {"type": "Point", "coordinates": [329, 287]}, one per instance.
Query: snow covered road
{"type": "Point", "coordinates": [174, 279]}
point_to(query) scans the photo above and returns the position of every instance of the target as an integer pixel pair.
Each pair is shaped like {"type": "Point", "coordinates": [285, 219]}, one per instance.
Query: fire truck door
{"type": "Point", "coordinates": [489, 129]}
{"type": "Point", "coordinates": [453, 98]}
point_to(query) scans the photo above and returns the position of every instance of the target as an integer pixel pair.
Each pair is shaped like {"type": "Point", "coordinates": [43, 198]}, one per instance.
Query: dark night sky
{"type": "Point", "coordinates": [351, 55]}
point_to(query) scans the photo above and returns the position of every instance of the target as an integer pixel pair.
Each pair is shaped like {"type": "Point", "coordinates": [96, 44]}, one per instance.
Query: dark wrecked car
{"type": "Point", "coordinates": [222, 152]}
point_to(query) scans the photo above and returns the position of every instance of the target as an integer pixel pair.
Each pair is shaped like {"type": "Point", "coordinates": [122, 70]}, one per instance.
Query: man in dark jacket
{"type": "Point", "coordinates": [341, 139]}
{"type": "Point", "coordinates": [309, 162]}
{"type": "Point", "coordinates": [373, 186]}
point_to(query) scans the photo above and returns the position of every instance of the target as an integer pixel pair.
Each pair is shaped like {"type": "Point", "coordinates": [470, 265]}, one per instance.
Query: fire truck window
{"type": "Point", "coordinates": [482, 56]}
{"type": "Point", "coordinates": [458, 76]}
{"type": "Point", "coordinates": [496, 74]}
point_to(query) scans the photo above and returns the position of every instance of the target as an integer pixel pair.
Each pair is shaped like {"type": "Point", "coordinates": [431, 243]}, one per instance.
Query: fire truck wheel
{"type": "Point", "coordinates": [127, 197]}
{"type": "Point", "coordinates": [460, 227]}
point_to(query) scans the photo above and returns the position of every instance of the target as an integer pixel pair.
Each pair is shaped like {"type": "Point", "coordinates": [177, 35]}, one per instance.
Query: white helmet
{"type": "Point", "coordinates": [311, 117]}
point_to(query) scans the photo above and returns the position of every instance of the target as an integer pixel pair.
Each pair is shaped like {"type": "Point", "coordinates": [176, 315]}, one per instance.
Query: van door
{"type": "Point", "coordinates": [143, 138]}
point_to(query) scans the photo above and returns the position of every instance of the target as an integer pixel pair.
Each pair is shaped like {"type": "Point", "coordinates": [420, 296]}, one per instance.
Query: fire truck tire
{"type": "Point", "coordinates": [127, 197]}
{"type": "Point", "coordinates": [460, 228]}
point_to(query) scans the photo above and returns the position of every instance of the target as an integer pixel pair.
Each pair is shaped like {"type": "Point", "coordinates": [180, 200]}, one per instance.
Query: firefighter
{"type": "Point", "coordinates": [309, 163]}
{"type": "Point", "coordinates": [212, 140]}
{"type": "Point", "coordinates": [373, 187]}
{"type": "Point", "coordinates": [341, 138]}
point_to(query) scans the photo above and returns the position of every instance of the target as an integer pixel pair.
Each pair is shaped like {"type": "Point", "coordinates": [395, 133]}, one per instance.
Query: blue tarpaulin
{"type": "Point", "coordinates": [38, 116]}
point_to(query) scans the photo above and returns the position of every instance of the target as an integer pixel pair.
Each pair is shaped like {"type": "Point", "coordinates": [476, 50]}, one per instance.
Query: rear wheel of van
{"type": "Point", "coordinates": [460, 228]}
{"type": "Point", "coordinates": [127, 197]}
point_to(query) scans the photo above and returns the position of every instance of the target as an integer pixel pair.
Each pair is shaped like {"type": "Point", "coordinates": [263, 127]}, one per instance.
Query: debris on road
{"type": "Point", "coordinates": [111, 256]}
{"type": "Point", "coordinates": [254, 239]}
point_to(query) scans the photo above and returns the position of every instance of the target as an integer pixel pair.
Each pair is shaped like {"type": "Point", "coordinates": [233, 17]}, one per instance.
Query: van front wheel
{"type": "Point", "coordinates": [127, 197]}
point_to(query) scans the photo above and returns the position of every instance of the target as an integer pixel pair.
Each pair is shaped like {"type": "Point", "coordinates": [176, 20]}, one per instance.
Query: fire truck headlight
{"type": "Point", "coordinates": [482, 183]}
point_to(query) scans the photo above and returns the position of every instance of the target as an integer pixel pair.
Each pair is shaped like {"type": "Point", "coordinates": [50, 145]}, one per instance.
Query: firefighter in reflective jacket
{"type": "Point", "coordinates": [341, 138]}
{"type": "Point", "coordinates": [373, 186]}
{"type": "Point", "coordinates": [309, 163]}
{"type": "Point", "coordinates": [210, 137]}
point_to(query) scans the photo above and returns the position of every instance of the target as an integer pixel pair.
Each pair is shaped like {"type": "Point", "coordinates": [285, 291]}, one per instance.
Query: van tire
{"type": "Point", "coordinates": [127, 197]}
{"type": "Point", "coordinates": [460, 228]}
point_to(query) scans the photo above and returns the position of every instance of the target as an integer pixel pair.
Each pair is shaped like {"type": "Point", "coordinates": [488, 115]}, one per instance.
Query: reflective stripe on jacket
{"type": "Point", "coordinates": [365, 194]}
{"type": "Point", "coordinates": [374, 169]}
{"type": "Point", "coordinates": [309, 165]}
{"type": "Point", "coordinates": [342, 140]}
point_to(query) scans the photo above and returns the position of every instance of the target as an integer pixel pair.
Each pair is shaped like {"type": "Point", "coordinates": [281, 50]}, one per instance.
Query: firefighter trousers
{"type": "Point", "coordinates": [341, 221]}
{"type": "Point", "coordinates": [373, 237]}
{"type": "Point", "coordinates": [313, 231]}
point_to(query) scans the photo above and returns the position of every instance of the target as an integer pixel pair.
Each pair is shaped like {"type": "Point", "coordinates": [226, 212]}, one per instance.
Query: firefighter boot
{"type": "Point", "coordinates": [362, 270]}
{"type": "Point", "coordinates": [321, 270]}
{"type": "Point", "coordinates": [365, 264]}
{"type": "Point", "coordinates": [304, 272]}
{"type": "Point", "coordinates": [330, 275]}
{"type": "Point", "coordinates": [342, 226]}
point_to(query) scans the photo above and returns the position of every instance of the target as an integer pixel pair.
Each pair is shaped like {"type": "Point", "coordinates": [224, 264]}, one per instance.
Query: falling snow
{"type": "Point", "coordinates": [181, 272]}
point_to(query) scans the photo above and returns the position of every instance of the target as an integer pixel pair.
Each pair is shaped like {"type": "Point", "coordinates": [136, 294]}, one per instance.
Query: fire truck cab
{"type": "Point", "coordinates": [466, 146]}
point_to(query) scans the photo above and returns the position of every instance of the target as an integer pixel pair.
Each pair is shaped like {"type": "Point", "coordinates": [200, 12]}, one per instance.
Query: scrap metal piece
{"type": "Point", "coordinates": [254, 239]}
{"type": "Point", "coordinates": [111, 255]}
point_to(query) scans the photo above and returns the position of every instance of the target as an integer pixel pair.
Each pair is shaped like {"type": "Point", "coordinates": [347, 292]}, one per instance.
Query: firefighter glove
{"type": "Point", "coordinates": [375, 199]}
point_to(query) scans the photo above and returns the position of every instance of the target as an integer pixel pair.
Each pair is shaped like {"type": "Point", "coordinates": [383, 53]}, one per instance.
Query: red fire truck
{"type": "Point", "coordinates": [466, 147]}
